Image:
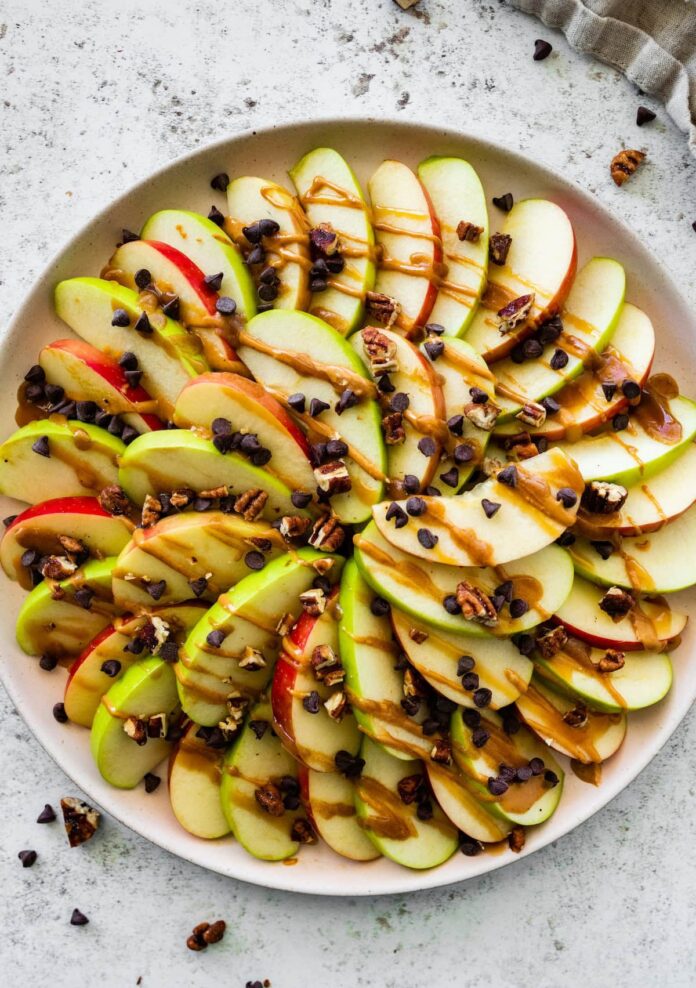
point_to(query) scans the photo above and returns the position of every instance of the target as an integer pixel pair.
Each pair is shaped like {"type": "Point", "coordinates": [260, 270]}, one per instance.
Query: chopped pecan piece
{"type": "Point", "coordinates": [322, 566]}
{"type": "Point", "coordinates": [303, 832]}
{"type": "Point", "coordinates": [251, 503]}
{"type": "Point", "coordinates": [136, 730]}
{"type": "Point", "coordinates": [532, 413]}
{"type": "Point", "coordinates": [333, 478]}
{"type": "Point", "coordinates": [393, 429]}
{"type": "Point", "coordinates": [157, 725]}
{"type": "Point", "coordinates": [617, 602]}
{"type": "Point", "coordinates": [414, 684]}
{"type": "Point", "coordinates": [293, 526]}
{"type": "Point", "coordinates": [383, 308]}
{"type": "Point", "coordinates": [611, 661]}
{"type": "Point", "coordinates": [407, 4]}
{"type": "Point", "coordinates": [475, 604]}
{"type": "Point", "coordinates": [417, 635]}
{"type": "Point", "coordinates": [285, 624]}
{"type": "Point", "coordinates": [469, 231]}
{"type": "Point", "coordinates": [515, 313]}
{"type": "Point", "coordinates": [410, 788]}
{"type": "Point", "coordinates": [114, 500]}
{"type": "Point", "coordinates": [441, 751]}
{"type": "Point", "coordinates": [57, 567]}
{"type": "Point", "coordinates": [236, 704]}
{"type": "Point", "coordinates": [551, 642]}
{"type": "Point", "coordinates": [324, 239]}
{"type": "Point", "coordinates": [81, 821]}
{"type": "Point", "coordinates": [517, 838]}
{"type": "Point", "coordinates": [483, 416]}
{"type": "Point", "coordinates": [72, 546]}
{"type": "Point", "coordinates": [602, 498]}
{"type": "Point", "coordinates": [576, 716]}
{"type": "Point", "coordinates": [152, 511]}
{"type": "Point", "coordinates": [228, 728]}
{"type": "Point", "coordinates": [252, 659]}
{"type": "Point", "coordinates": [181, 498]}
{"type": "Point", "coordinates": [498, 248]}
{"type": "Point", "coordinates": [327, 534]}
{"type": "Point", "coordinates": [337, 705]}
{"type": "Point", "coordinates": [525, 451]}
{"type": "Point", "coordinates": [379, 350]}
{"type": "Point", "coordinates": [313, 601]}
{"type": "Point", "coordinates": [215, 493]}
{"type": "Point", "coordinates": [326, 666]}
{"type": "Point", "coordinates": [270, 799]}
{"type": "Point", "coordinates": [624, 164]}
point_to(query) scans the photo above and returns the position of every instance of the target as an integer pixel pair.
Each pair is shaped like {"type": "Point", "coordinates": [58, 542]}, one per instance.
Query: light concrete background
{"type": "Point", "coordinates": [93, 96]}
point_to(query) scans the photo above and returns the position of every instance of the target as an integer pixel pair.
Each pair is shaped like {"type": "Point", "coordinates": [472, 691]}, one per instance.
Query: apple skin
{"type": "Point", "coordinates": [131, 256]}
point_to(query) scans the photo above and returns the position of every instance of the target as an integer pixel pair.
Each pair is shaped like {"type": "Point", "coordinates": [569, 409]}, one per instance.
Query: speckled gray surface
{"type": "Point", "coordinates": [93, 100]}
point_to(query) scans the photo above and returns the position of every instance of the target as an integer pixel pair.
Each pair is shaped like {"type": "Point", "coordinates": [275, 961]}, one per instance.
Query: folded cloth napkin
{"type": "Point", "coordinates": [652, 41]}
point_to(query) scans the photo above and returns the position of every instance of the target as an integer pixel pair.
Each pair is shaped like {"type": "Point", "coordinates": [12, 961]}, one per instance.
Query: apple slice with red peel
{"type": "Point", "coordinates": [408, 235]}
{"type": "Point", "coordinates": [195, 770]}
{"type": "Point", "coordinates": [651, 624]}
{"type": "Point", "coordinates": [87, 374]}
{"type": "Point", "coordinates": [457, 197]}
{"type": "Point", "coordinates": [329, 799]}
{"type": "Point", "coordinates": [312, 735]}
{"type": "Point", "coordinates": [249, 408]}
{"type": "Point", "coordinates": [541, 262]}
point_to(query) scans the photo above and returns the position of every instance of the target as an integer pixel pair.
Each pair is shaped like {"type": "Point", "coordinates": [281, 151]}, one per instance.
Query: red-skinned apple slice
{"type": "Point", "coordinates": [195, 770]}
{"type": "Point", "coordinates": [39, 527]}
{"type": "Point", "coordinates": [408, 234]}
{"type": "Point", "coordinates": [87, 374]}
{"type": "Point", "coordinates": [329, 799]}
{"type": "Point", "coordinates": [541, 262]}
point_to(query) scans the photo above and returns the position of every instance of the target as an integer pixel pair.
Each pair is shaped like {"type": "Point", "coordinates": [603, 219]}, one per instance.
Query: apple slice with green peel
{"type": "Point", "coordinates": [589, 317]}
{"type": "Point", "coordinates": [496, 521]}
{"type": "Point", "coordinates": [195, 770]}
{"type": "Point", "coordinates": [61, 458]}
{"type": "Point", "coordinates": [40, 527]}
{"type": "Point", "coordinates": [176, 458]}
{"type": "Point", "coordinates": [457, 197]}
{"type": "Point", "coordinates": [408, 235]}
{"type": "Point", "coordinates": [644, 679]}
{"type": "Point", "coordinates": [251, 199]}
{"type": "Point", "coordinates": [650, 624]}
{"type": "Point", "coordinates": [61, 625]}
{"type": "Point", "coordinates": [191, 553]}
{"type": "Point", "coordinates": [595, 737]}
{"type": "Point", "coordinates": [541, 262]}
{"type": "Point", "coordinates": [87, 682]}
{"type": "Point", "coordinates": [308, 730]}
{"type": "Point", "coordinates": [525, 802]}
{"type": "Point", "coordinates": [87, 374]}
{"type": "Point", "coordinates": [256, 760]}
{"type": "Point", "coordinates": [293, 353]}
{"type": "Point", "coordinates": [210, 249]}
{"type": "Point", "coordinates": [146, 690]}
{"type": "Point", "coordinates": [167, 355]}
{"type": "Point", "coordinates": [247, 618]}
{"type": "Point", "coordinates": [330, 802]}
{"type": "Point", "coordinates": [424, 416]}
{"type": "Point", "coordinates": [498, 664]}
{"type": "Point", "coordinates": [249, 408]}
{"type": "Point", "coordinates": [394, 827]}
{"type": "Point", "coordinates": [330, 194]}
{"type": "Point", "coordinates": [453, 791]}
{"type": "Point", "coordinates": [420, 588]}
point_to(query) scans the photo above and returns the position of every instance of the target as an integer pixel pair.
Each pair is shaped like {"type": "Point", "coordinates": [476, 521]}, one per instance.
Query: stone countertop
{"type": "Point", "coordinates": [96, 95]}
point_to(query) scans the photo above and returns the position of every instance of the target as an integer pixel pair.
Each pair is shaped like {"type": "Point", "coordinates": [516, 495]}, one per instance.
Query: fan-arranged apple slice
{"type": "Point", "coordinates": [269, 226]}
{"type": "Point", "coordinates": [311, 713]}
{"type": "Point", "coordinates": [493, 762]}
{"type": "Point", "coordinates": [428, 591]}
{"type": "Point", "coordinates": [191, 553]}
{"type": "Point", "coordinates": [195, 770]}
{"type": "Point", "coordinates": [164, 461]}
{"type": "Point", "coordinates": [255, 768]}
{"type": "Point", "coordinates": [61, 458]}
{"type": "Point", "coordinates": [408, 236]}
{"type": "Point", "coordinates": [587, 321]}
{"type": "Point", "coordinates": [249, 408]}
{"type": "Point", "coordinates": [649, 624]}
{"type": "Point", "coordinates": [88, 374]}
{"type": "Point", "coordinates": [311, 369]}
{"type": "Point", "coordinates": [589, 736]}
{"type": "Point", "coordinates": [129, 730]}
{"type": "Point", "coordinates": [59, 619]}
{"type": "Point", "coordinates": [341, 237]}
{"type": "Point", "coordinates": [459, 203]}
{"type": "Point", "coordinates": [117, 647]}
{"type": "Point", "coordinates": [415, 834]}
{"type": "Point", "coordinates": [538, 267]}
{"type": "Point", "coordinates": [330, 802]}
{"type": "Point", "coordinates": [458, 665]}
{"type": "Point", "coordinates": [113, 319]}
{"type": "Point", "coordinates": [38, 532]}
{"type": "Point", "coordinates": [514, 513]}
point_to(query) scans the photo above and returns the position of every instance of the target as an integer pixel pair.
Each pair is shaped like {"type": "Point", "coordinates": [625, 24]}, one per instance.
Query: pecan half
{"type": "Point", "coordinates": [469, 231]}
{"type": "Point", "coordinates": [73, 547]}
{"type": "Point", "coordinates": [483, 416]}
{"type": "Point", "coordinates": [379, 350]}
{"type": "Point", "coordinates": [551, 642]}
{"type": "Point", "coordinates": [602, 498]}
{"type": "Point", "coordinates": [313, 601]}
{"type": "Point", "coordinates": [293, 526]}
{"type": "Point", "coordinates": [532, 413]}
{"type": "Point", "coordinates": [475, 604]}
{"type": "Point", "coordinates": [251, 503]}
{"type": "Point", "coordinates": [393, 429]}
{"type": "Point", "coordinates": [617, 602]}
{"type": "Point", "coordinates": [611, 661]}
{"type": "Point", "coordinates": [333, 478]}
{"type": "Point", "coordinates": [515, 313]}
{"type": "Point", "coordinates": [624, 164]}
{"type": "Point", "coordinates": [114, 500]}
{"type": "Point", "coordinates": [270, 799]}
{"type": "Point", "coordinates": [80, 819]}
{"type": "Point", "coordinates": [327, 534]}
{"type": "Point", "coordinates": [383, 308]}
{"type": "Point", "coordinates": [152, 511]}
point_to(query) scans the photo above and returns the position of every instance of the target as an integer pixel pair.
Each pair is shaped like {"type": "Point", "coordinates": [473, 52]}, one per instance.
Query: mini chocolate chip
{"type": "Point", "coordinates": [135, 646]}
{"type": "Point", "coordinates": [120, 318]}
{"type": "Point", "coordinates": [399, 402]}
{"type": "Point", "coordinates": [318, 285]}
{"type": "Point", "coordinates": [28, 858]}
{"type": "Point", "coordinates": [269, 293]}
{"type": "Point", "coordinates": [169, 651]}
{"type": "Point", "coordinates": [427, 446]}
{"type": "Point", "coordinates": [498, 601]}
{"type": "Point", "coordinates": [478, 396]}
{"type": "Point", "coordinates": [631, 389]}
{"type": "Point", "coordinates": [542, 50]}
{"type": "Point", "coordinates": [129, 434]}
{"type": "Point", "coordinates": [312, 702]}
{"type": "Point", "coordinates": [479, 737]}
{"type": "Point", "coordinates": [256, 255]}
{"type": "Point", "coordinates": [456, 425]}
{"type": "Point", "coordinates": [410, 483]}
{"type": "Point", "coordinates": [451, 604]}
{"type": "Point", "coordinates": [34, 393]}
{"type": "Point", "coordinates": [128, 361]}
{"type": "Point", "coordinates": [536, 765]}
{"type": "Point", "coordinates": [221, 427]}
{"type": "Point", "coordinates": [609, 390]}
{"type": "Point", "coordinates": [551, 777]}
{"type": "Point", "coordinates": [225, 305]}
{"type": "Point", "coordinates": [434, 348]}
{"type": "Point", "coordinates": [41, 446]}
{"type": "Point", "coordinates": [127, 236]}
{"type": "Point", "coordinates": [59, 713]}
{"type": "Point", "coordinates": [497, 787]}
{"type": "Point", "coordinates": [55, 393]}
{"type": "Point", "coordinates": [269, 276]}
{"type": "Point", "coordinates": [216, 216]}
{"type": "Point", "coordinates": [215, 638]}
{"type": "Point", "coordinates": [111, 667]}
{"type": "Point", "coordinates": [416, 506]}
{"type": "Point", "coordinates": [507, 476]}
{"type": "Point", "coordinates": [35, 375]}
{"type": "Point", "coordinates": [434, 329]}
{"type": "Point", "coordinates": [348, 399]}
{"type": "Point", "coordinates": [603, 548]}
{"type": "Point", "coordinates": [431, 491]}
{"type": "Point", "coordinates": [565, 539]}
{"type": "Point", "coordinates": [385, 385]}
{"type": "Point", "coordinates": [465, 663]}
{"type": "Point", "coordinates": [620, 422]}
{"type": "Point", "coordinates": [220, 182]}
{"type": "Point", "coordinates": [29, 557]}
{"type": "Point", "coordinates": [300, 499]}
{"type": "Point", "coordinates": [156, 589]}
{"type": "Point", "coordinates": [523, 773]}
{"type": "Point", "coordinates": [268, 228]}
{"type": "Point", "coordinates": [470, 847]}
{"type": "Point", "coordinates": [134, 377]}
{"type": "Point", "coordinates": [143, 278]}
{"type": "Point", "coordinates": [86, 410]}
{"type": "Point", "coordinates": [151, 781]}
{"type": "Point", "coordinates": [47, 814]}
{"type": "Point", "coordinates": [202, 504]}
{"type": "Point", "coordinates": [78, 918]}
{"type": "Point", "coordinates": [450, 477]}
{"type": "Point", "coordinates": [424, 810]}
{"type": "Point", "coordinates": [115, 426]}
{"type": "Point", "coordinates": [427, 538]}
{"type": "Point", "coordinates": [8, 521]}
{"type": "Point", "coordinates": [567, 497]}
{"type": "Point", "coordinates": [550, 330]}
{"type": "Point", "coordinates": [532, 349]}
{"type": "Point", "coordinates": [336, 448]}
{"type": "Point", "coordinates": [524, 643]}
{"type": "Point", "coordinates": [258, 728]}
{"type": "Point", "coordinates": [551, 405]}
{"type": "Point", "coordinates": [504, 202]}
{"type": "Point", "coordinates": [380, 607]}
{"type": "Point", "coordinates": [172, 308]}
{"type": "Point", "coordinates": [297, 402]}
{"type": "Point", "coordinates": [644, 115]}
{"type": "Point", "coordinates": [48, 662]}
{"type": "Point", "coordinates": [396, 513]}
{"type": "Point", "coordinates": [559, 359]}
{"type": "Point", "coordinates": [463, 453]}
{"type": "Point", "coordinates": [317, 406]}
{"type": "Point", "coordinates": [518, 607]}
{"type": "Point", "coordinates": [505, 590]}
{"type": "Point", "coordinates": [482, 697]}
{"type": "Point", "coordinates": [143, 323]}
{"type": "Point", "coordinates": [254, 560]}
{"type": "Point", "coordinates": [470, 681]}
{"type": "Point", "coordinates": [490, 507]}
{"type": "Point", "coordinates": [511, 722]}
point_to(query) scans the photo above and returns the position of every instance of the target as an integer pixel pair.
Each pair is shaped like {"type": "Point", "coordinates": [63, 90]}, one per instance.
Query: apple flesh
{"type": "Point", "coordinates": [195, 770]}
{"type": "Point", "coordinates": [39, 527]}
{"type": "Point", "coordinates": [456, 194]}
{"type": "Point", "coordinates": [330, 802]}
{"type": "Point", "coordinates": [469, 814]}
{"type": "Point", "coordinates": [330, 194]}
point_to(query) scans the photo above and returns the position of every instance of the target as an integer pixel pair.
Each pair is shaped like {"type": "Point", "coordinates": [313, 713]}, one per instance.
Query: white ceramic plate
{"type": "Point", "coordinates": [186, 184]}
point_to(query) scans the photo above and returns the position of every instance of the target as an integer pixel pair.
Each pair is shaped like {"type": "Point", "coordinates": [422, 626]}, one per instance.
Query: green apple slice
{"type": "Point", "coordinates": [498, 663]}
{"type": "Point", "coordinates": [330, 800]}
{"type": "Point", "coordinates": [419, 587]}
{"type": "Point", "coordinates": [526, 803]}
{"type": "Point", "coordinates": [589, 317]}
{"type": "Point", "coordinates": [543, 710]}
{"type": "Point", "coordinates": [82, 459]}
{"type": "Point", "coordinates": [251, 763]}
{"type": "Point", "coordinates": [330, 193]}
{"type": "Point", "coordinates": [392, 825]}
{"type": "Point", "coordinates": [195, 770]}
{"type": "Point", "coordinates": [209, 247]}
{"type": "Point", "coordinates": [58, 625]}
{"type": "Point", "coordinates": [530, 516]}
{"type": "Point", "coordinates": [295, 353]}
{"type": "Point", "coordinates": [168, 459]}
{"type": "Point", "coordinates": [453, 791]}
{"type": "Point", "coordinates": [182, 549]}
{"type": "Point", "coordinates": [457, 195]}
{"type": "Point", "coordinates": [250, 199]}
{"type": "Point", "coordinates": [168, 355]}
{"type": "Point", "coordinates": [147, 688]}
